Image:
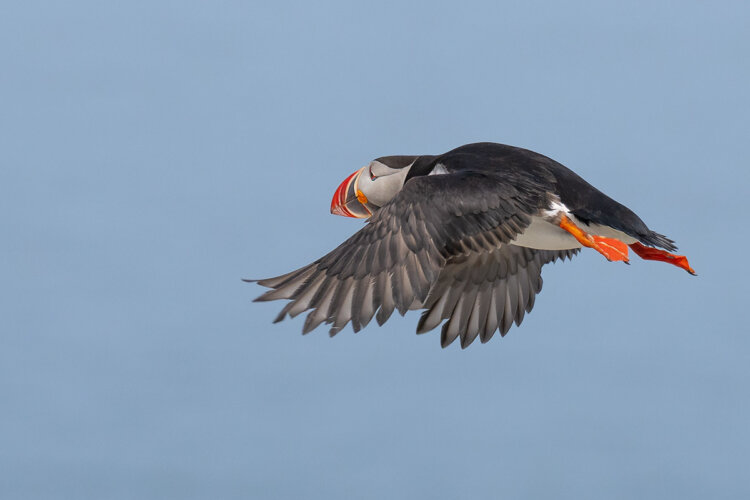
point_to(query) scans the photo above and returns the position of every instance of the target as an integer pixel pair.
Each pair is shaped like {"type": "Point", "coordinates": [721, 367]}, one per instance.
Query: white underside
{"type": "Point", "coordinates": [546, 235]}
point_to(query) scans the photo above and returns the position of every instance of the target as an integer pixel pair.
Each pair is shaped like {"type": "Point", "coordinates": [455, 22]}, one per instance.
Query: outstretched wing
{"type": "Point", "coordinates": [399, 256]}
{"type": "Point", "coordinates": [482, 292]}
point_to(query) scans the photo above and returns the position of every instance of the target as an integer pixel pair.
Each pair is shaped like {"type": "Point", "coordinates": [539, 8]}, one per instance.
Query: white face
{"type": "Point", "coordinates": [380, 183]}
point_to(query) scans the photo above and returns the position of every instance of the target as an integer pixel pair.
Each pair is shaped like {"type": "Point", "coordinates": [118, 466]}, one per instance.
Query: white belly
{"type": "Point", "coordinates": [548, 236]}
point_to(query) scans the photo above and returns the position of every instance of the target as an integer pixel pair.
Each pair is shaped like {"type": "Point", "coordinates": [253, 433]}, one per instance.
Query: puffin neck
{"type": "Point", "coordinates": [423, 165]}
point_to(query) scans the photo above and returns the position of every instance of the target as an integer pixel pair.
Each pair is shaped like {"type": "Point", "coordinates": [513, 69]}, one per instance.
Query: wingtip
{"type": "Point", "coordinates": [485, 337]}
{"type": "Point", "coordinates": [422, 324]}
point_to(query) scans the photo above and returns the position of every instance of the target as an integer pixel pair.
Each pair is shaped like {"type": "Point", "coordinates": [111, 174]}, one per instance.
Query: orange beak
{"type": "Point", "coordinates": [348, 200]}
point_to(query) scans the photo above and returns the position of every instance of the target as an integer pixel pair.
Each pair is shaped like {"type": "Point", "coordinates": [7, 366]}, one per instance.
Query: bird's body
{"type": "Point", "coordinates": [462, 235]}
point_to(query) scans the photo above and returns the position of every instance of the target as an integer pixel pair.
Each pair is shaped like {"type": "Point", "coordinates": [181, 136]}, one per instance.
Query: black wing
{"type": "Point", "coordinates": [399, 257]}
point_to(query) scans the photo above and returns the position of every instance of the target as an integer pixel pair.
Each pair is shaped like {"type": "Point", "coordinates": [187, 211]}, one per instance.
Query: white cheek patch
{"type": "Point", "coordinates": [439, 169]}
{"type": "Point", "coordinates": [384, 188]}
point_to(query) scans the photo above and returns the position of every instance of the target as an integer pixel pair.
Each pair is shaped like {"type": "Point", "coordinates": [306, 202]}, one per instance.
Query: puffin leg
{"type": "Point", "coordinates": [612, 249]}
{"type": "Point", "coordinates": [649, 253]}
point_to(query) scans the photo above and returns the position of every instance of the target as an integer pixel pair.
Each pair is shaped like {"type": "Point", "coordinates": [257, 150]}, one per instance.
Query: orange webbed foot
{"type": "Point", "coordinates": [612, 249]}
{"type": "Point", "coordinates": [649, 253]}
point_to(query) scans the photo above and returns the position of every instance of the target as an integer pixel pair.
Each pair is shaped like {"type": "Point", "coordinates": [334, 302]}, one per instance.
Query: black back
{"type": "Point", "coordinates": [584, 201]}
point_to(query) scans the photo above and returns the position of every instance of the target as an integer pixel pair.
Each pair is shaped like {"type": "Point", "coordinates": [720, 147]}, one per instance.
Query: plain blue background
{"type": "Point", "coordinates": [154, 153]}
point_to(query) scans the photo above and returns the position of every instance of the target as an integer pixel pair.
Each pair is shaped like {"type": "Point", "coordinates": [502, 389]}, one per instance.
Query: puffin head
{"type": "Point", "coordinates": [371, 187]}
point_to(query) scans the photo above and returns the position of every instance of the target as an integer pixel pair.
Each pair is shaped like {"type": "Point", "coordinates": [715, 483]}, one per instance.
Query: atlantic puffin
{"type": "Point", "coordinates": [462, 236]}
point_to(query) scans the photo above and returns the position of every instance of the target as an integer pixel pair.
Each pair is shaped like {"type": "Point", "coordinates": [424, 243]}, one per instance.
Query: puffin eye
{"type": "Point", "coordinates": [372, 176]}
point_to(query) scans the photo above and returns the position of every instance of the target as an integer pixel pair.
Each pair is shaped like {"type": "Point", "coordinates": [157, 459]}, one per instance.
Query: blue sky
{"type": "Point", "coordinates": [154, 153]}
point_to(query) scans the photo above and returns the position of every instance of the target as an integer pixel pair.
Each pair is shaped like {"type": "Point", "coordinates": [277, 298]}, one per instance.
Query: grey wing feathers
{"type": "Point", "coordinates": [481, 293]}
{"type": "Point", "coordinates": [376, 270]}
{"type": "Point", "coordinates": [414, 246]}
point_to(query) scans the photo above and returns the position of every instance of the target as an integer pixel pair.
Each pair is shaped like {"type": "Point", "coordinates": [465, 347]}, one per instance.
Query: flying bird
{"type": "Point", "coordinates": [462, 236]}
